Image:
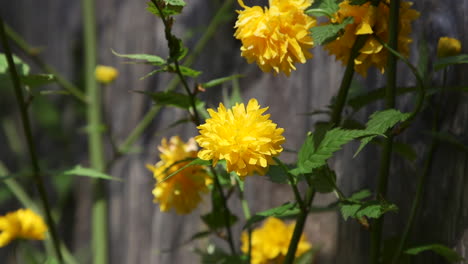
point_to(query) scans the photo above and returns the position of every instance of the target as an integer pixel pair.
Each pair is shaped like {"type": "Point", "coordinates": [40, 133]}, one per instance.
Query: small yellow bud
{"type": "Point", "coordinates": [448, 47]}
{"type": "Point", "coordinates": [105, 74]}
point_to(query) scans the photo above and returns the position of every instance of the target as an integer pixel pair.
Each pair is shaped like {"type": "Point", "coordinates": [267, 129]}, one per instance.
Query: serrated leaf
{"type": "Point", "coordinates": [170, 7]}
{"type": "Point", "coordinates": [380, 122]}
{"type": "Point", "coordinates": [311, 157]}
{"type": "Point", "coordinates": [369, 209]}
{"type": "Point", "coordinates": [172, 99]}
{"type": "Point", "coordinates": [219, 81]}
{"type": "Point", "coordinates": [444, 251]}
{"type": "Point", "coordinates": [152, 59]}
{"type": "Point", "coordinates": [452, 60]}
{"type": "Point", "coordinates": [323, 7]}
{"type": "Point", "coordinates": [88, 172]}
{"type": "Point", "coordinates": [327, 33]}
{"type": "Point", "coordinates": [287, 209]}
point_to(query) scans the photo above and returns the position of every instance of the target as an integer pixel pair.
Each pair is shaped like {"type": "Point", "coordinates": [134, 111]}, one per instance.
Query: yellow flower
{"type": "Point", "coordinates": [276, 37]}
{"type": "Point", "coordinates": [21, 224]}
{"type": "Point", "coordinates": [369, 19]}
{"type": "Point", "coordinates": [271, 241]}
{"type": "Point", "coordinates": [183, 190]}
{"type": "Point", "coordinates": [105, 74]}
{"type": "Point", "coordinates": [245, 138]}
{"type": "Point", "coordinates": [448, 47]}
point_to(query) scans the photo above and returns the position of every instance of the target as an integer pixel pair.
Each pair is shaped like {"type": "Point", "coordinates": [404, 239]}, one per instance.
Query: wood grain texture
{"type": "Point", "coordinates": [139, 233]}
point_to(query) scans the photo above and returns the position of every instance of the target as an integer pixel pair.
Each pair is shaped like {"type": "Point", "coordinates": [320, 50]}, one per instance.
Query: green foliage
{"type": "Point", "coordinates": [452, 60]}
{"type": "Point", "coordinates": [355, 207]}
{"type": "Point", "coordinates": [311, 157]}
{"type": "Point", "coordinates": [31, 80]}
{"type": "Point", "coordinates": [88, 172]}
{"type": "Point", "coordinates": [215, 255]}
{"type": "Point", "coordinates": [323, 7]}
{"type": "Point", "coordinates": [219, 81]}
{"type": "Point", "coordinates": [150, 59]}
{"type": "Point", "coordinates": [277, 175]}
{"type": "Point", "coordinates": [444, 251]}
{"type": "Point", "coordinates": [323, 179]}
{"type": "Point", "coordinates": [380, 122]}
{"type": "Point", "coordinates": [286, 210]}
{"type": "Point", "coordinates": [327, 33]}
{"type": "Point", "coordinates": [186, 71]}
{"type": "Point", "coordinates": [216, 219]}
{"type": "Point", "coordinates": [168, 7]}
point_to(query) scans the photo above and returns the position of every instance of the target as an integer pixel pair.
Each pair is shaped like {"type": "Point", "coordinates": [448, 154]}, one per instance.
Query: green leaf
{"type": "Point", "coordinates": [195, 162]}
{"type": "Point", "coordinates": [219, 81]}
{"type": "Point", "coordinates": [88, 172]}
{"type": "Point", "coordinates": [216, 219]}
{"type": "Point", "coordinates": [287, 209]}
{"type": "Point", "coordinates": [152, 59]}
{"type": "Point", "coordinates": [360, 195]}
{"type": "Point", "coordinates": [37, 79]}
{"type": "Point", "coordinates": [21, 67]}
{"type": "Point", "coordinates": [452, 60]}
{"type": "Point", "coordinates": [311, 157]}
{"type": "Point", "coordinates": [327, 33]}
{"type": "Point", "coordinates": [380, 122]}
{"type": "Point", "coordinates": [370, 209]}
{"type": "Point", "coordinates": [186, 71]}
{"type": "Point", "coordinates": [172, 98]}
{"type": "Point", "coordinates": [323, 7]}
{"type": "Point", "coordinates": [444, 251]}
{"type": "Point", "coordinates": [277, 175]}
{"type": "Point", "coordinates": [323, 179]}
{"type": "Point", "coordinates": [168, 7]}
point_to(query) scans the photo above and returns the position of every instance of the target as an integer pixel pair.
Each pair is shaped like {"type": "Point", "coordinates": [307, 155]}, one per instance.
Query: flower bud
{"type": "Point", "coordinates": [448, 47]}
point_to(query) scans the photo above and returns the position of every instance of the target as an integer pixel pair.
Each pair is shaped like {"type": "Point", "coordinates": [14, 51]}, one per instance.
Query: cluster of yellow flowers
{"type": "Point", "coordinates": [21, 224]}
{"type": "Point", "coordinates": [242, 136]}
{"type": "Point", "coordinates": [371, 20]}
{"type": "Point", "coordinates": [181, 191]}
{"type": "Point", "coordinates": [270, 242]}
{"type": "Point", "coordinates": [276, 37]}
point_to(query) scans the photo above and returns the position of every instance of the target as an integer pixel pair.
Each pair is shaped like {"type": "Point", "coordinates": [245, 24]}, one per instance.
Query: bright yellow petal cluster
{"type": "Point", "coordinates": [447, 47]}
{"type": "Point", "coordinates": [271, 241]}
{"type": "Point", "coordinates": [183, 190]}
{"type": "Point", "coordinates": [242, 136]}
{"type": "Point", "coordinates": [105, 74]}
{"type": "Point", "coordinates": [21, 224]}
{"type": "Point", "coordinates": [276, 37]}
{"type": "Point", "coordinates": [369, 19]}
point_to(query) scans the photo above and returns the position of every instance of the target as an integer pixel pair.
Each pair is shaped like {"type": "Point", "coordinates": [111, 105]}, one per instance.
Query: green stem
{"type": "Point", "coordinates": [34, 54]}
{"type": "Point", "coordinates": [376, 233]}
{"type": "Point", "coordinates": [95, 141]}
{"type": "Point", "coordinates": [149, 116]}
{"type": "Point", "coordinates": [247, 215]}
{"type": "Point", "coordinates": [227, 213]}
{"type": "Point", "coordinates": [30, 141]}
{"type": "Point", "coordinates": [346, 81]}
{"type": "Point", "coordinates": [293, 184]}
{"type": "Point", "coordinates": [299, 228]}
